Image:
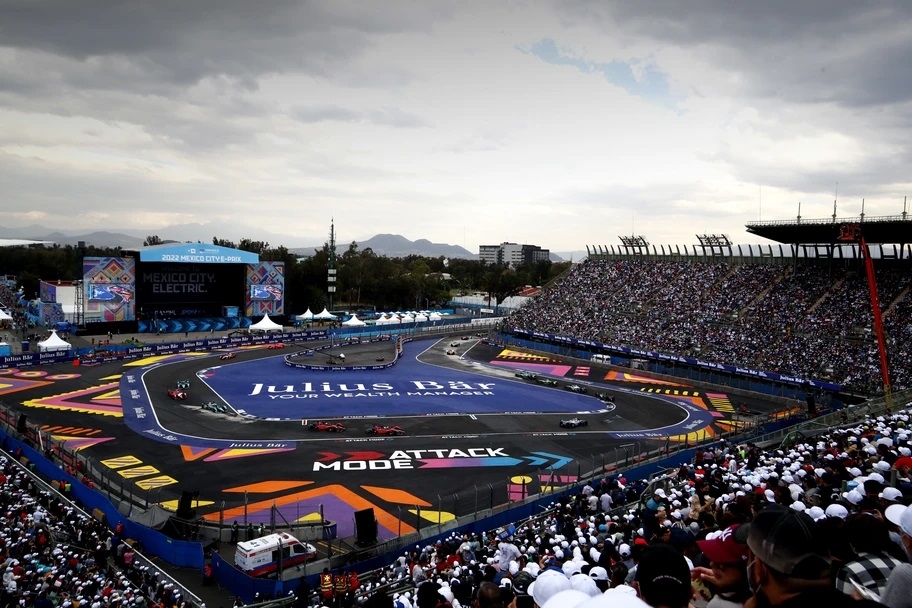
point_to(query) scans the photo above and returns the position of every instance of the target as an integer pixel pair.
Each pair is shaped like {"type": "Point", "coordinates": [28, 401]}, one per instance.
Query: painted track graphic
{"type": "Point", "coordinates": [468, 453]}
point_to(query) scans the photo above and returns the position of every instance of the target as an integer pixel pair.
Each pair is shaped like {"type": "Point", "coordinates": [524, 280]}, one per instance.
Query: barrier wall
{"type": "Point", "coordinates": [695, 369]}
{"type": "Point", "coordinates": [290, 359]}
{"type": "Point", "coordinates": [175, 552]}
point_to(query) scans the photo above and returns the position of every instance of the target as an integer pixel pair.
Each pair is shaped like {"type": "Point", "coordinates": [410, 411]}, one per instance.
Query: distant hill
{"type": "Point", "coordinates": [397, 246]}
{"type": "Point", "coordinates": [389, 245]}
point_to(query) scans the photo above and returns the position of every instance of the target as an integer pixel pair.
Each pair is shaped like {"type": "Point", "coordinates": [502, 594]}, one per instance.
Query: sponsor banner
{"type": "Point", "coordinates": [447, 458]}
{"type": "Point", "coordinates": [655, 356]}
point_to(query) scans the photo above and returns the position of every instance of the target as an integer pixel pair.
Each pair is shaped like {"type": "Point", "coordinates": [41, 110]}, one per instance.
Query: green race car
{"type": "Point", "coordinates": [546, 381]}
{"type": "Point", "coordinates": [527, 375]}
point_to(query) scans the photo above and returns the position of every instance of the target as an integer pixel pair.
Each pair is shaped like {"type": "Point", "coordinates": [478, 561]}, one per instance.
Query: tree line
{"type": "Point", "coordinates": [364, 279]}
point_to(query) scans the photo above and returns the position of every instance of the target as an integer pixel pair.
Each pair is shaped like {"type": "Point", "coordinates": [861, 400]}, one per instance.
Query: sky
{"type": "Point", "coordinates": [558, 124]}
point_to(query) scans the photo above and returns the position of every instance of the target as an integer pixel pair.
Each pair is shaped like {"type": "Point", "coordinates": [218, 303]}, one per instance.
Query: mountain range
{"type": "Point", "coordinates": [390, 245]}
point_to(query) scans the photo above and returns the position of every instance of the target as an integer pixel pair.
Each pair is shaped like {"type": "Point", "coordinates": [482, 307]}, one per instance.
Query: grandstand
{"type": "Point", "coordinates": [804, 315]}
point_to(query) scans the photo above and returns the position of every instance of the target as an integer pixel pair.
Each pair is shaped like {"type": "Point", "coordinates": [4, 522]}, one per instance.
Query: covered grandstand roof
{"type": "Point", "coordinates": [895, 229]}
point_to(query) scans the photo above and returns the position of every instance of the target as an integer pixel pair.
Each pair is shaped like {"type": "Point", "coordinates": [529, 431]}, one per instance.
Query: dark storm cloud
{"type": "Point", "coordinates": [180, 42]}
{"type": "Point", "coordinates": [839, 51]}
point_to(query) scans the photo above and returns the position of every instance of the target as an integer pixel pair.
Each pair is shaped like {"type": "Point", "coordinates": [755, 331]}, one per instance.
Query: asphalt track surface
{"type": "Point", "coordinates": [484, 438]}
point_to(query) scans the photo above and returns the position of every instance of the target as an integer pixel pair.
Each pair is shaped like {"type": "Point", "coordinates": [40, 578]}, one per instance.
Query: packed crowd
{"type": "Point", "coordinates": [53, 554]}
{"type": "Point", "coordinates": [809, 321]}
{"type": "Point", "coordinates": [821, 522]}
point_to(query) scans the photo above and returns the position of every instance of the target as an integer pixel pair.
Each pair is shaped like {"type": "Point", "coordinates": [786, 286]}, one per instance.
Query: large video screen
{"type": "Point", "coordinates": [110, 293]}
{"type": "Point", "coordinates": [188, 289]}
{"type": "Point", "coordinates": [109, 287]}
{"type": "Point", "coordinates": [266, 292]}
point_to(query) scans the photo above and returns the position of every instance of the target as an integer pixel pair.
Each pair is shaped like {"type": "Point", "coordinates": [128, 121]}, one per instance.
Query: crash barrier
{"type": "Point", "coordinates": [768, 383]}
{"type": "Point", "coordinates": [139, 554]}
{"type": "Point", "coordinates": [292, 360]}
{"type": "Point", "coordinates": [175, 552]}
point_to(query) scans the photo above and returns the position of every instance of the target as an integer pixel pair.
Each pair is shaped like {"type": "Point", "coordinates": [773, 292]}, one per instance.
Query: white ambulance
{"type": "Point", "coordinates": [262, 556]}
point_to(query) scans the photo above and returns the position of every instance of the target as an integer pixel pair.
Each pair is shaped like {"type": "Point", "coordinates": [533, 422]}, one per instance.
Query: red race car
{"type": "Point", "coordinates": [177, 394]}
{"type": "Point", "coordinates": [275, 346]}
{"type": "Point", "coordinates": [227, 356]}
{"type": "Point", "coordinates": [329, 427]}
{"type": "Point", "coordinates": [384, 430]}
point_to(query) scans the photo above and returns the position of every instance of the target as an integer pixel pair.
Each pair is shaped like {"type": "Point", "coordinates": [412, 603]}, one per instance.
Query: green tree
{"type": "Point", "coordinates": [152, 239]}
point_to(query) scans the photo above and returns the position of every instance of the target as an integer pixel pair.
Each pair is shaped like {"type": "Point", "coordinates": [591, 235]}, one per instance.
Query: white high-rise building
{"type": "Point", "coordinates": [512, 254]}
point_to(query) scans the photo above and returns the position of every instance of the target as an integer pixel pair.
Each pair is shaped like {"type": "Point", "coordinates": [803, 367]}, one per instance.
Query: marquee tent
{"type": "Point", "coordinates": [307, 316]}
{"type": "Point", "coordinates": [325, 316]}
{"type": "Point", "coordinates": [266, 324]}
{"type": "Point", "coordinates": [53, 343]}
{"type": "Point", "coordinates": [353, 322]}
{"type": "Point", "coordinates": [434, 317]}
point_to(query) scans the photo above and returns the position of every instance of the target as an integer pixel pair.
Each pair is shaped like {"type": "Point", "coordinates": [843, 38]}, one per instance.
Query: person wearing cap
{"type": "Point", "coordinates": [726, 576]}
{"type": "Point", "coordinates": [789, 565]}
{"type": "Point", "coordinates": [663, 577]}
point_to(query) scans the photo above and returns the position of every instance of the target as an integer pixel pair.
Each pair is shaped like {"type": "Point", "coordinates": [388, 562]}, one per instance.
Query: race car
{"type": "Point", "coordinates": [227, 356]}
{"type": "Point", "coordinates": [384, 430]}
{"type": "Point", "coordinates": [275, 346]}
{"type": "Point", "coordinates": [450, 351]}
{"type": "Point", "coordinates": [184, 384]}
{"type": "Point", "coordinates": [575, 388]}
{"type": "Point", "coordinates": [328, 427]}
{"type": "Point", "coordinates": [527, 375]}
{"type": "Point", "coordinates": [605, 397]}
{"type": "Point", "coordinates": [465, 338]}
{"type": "Point", "coordinates": [573, 423]}
{"type": "Point", "coordinates": [455, 343]}
{"type": "Point", "coordinates": [546, 381]}
{"type": "Point", "coordinates": [177, 394]}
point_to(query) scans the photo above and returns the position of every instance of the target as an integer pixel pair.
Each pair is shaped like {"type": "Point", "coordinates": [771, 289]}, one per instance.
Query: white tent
{"type": "Point", "coordinates": [53, 343]}
{"type": "Point", "coordinates": [434, 317]}
{"type": "Point", "coordinates": [393, 320]}
{"type": "Point", "coordinates": [266, 324]}
{"type": "Point", "coordinates": [420, 317]}
{"type": "Point", "coordinates": [4, 316]}
{"type": "Point", "coordinates": [307, 316]}
{"type": "Point", "coordinates": [325, 316]}
{"type": "Point", "coordinates": [353, 322]}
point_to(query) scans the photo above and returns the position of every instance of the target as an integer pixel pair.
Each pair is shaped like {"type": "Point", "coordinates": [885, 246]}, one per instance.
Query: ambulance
{"type": "Point", "coordinates": [263, 556]}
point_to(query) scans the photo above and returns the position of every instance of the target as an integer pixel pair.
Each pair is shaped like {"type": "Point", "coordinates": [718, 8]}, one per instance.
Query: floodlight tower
{"type": "Point", "coordinates": [331, 272]}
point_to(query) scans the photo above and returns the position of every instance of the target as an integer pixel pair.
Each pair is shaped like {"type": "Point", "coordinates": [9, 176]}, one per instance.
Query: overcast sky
{"type": "Point", "coordinates": [558, 124]}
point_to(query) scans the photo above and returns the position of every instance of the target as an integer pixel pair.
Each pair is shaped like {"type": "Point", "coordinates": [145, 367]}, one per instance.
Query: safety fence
{"type": "Point", "coordinates": [25, 465]}
{"type": "Point", "coordinates": [64, 469]}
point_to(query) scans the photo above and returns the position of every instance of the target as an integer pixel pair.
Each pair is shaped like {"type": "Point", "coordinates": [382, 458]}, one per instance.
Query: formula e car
{"type": "Point", "coordinates": [546, 381]}
{"type": "Point", "coordinates": [184, 384]}
{"type": "Point", "coordinates": [573, 423]}
{"type": "Point", "coordinates": [227, 356]}
{"type": "Point", "coordinates": [527, 375]}
{"type": "Point", "coordinates": [455, 343]}
{"type": "Point", "coordinates": [384, 430]}
{"type": "Point", "coordinates": [450, 351]}
{"type": "Point", "coordinates": [575, 388]}
{"type": "Point", "coordinates": [177, 394]}
{"type": "Point", "coordinates": [328, 427]}
{"type": "Point", "coordinates": [275, 346]}
{"type": "Point", "coordinates": [605, 397]}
